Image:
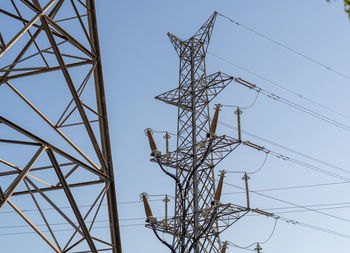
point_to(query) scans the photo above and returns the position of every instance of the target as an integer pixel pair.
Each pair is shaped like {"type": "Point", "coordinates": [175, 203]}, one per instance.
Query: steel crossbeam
{"type": "Point", "coordinates": [46, 44]}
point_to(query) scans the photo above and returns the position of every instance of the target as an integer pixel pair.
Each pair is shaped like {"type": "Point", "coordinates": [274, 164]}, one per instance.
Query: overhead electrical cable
{"type": "Point", "coordinates": [325, 230]}
{"type": "Point", "coordinates": [63, 230]}
{"type": "Point", "coordinates": [247, 106]}
{"type": "Point", "coordinates": [291, 209]}
{"type": "Point", "coordinates": [290, 103]}
{"type": "Point", "coordinates": [298, 153]}
{"type": "Point", "coordinates": [254, 243]}
{"type": "Point", "coordinates": [241, 247]}
{"type": "Point", "coordinates": [162, 132]}
{"type": "Point", "coordinates": [272, 233]}
{"type": "Point", "coordinates": [333, 205]}
{"type": "Point", "coordinates": [324, 206]}
{"type": "Point", "coordinates": [65, 223]}
{"type": "Point", "coordinates": [82, 206]}
{"type": "Point", "coordinates": [305, 110]}
{"type": "Point", "coordinates": [303, 224]}
{"type": "Point", "coordinates": [318, 209]}
{"type": "Point", "coordinates": [292, 204]}
{"type": "Point", "coordinates": [253, 172]}
{"type": "Point", "coordinates": [291, 187]}
{"type": "Point", "coordinates": [280, 44]}
{"type": "Point", "coordinates": [299, 95]}
{"type": "Point", "coordinates": [133, 225]}
{"type": "Point", "coordinates": [265, 209]}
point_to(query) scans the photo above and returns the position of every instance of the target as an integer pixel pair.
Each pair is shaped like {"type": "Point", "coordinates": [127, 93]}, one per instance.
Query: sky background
{"type": "Point", "coordinates": [139, 63]}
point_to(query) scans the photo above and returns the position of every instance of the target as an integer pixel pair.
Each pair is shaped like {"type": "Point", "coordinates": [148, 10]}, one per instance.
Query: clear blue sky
{"type": "Point", "coordinates": [140, 63]}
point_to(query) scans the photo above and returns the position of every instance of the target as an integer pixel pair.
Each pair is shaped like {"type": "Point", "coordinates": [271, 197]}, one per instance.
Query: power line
{"type": "Point", "coordinates": [325, 206]}
{"type": "Point", "coordinates": [280, 86]}
{"type": "Point", "coordinates": [271, 234]}
{"type": "Point", "coordinates": [241, 247]}
{"type": "Point", "coordinates": [287, 158]}
{"type": "Point", "coordinates": [293, 204]}
{"type": "Point", "coordinates": [318, 209]}
{"type": "Point", "coordinates": [63, 230]}
{"type": "Point", "coordinates": [280, 44]}
{"type": "Point", "coordinates": [337, 205]}
{"type": "Point", "coordinates": [65, 223]}
{"type": "Point", "coordinates": [51, 224]}
{"type": "Point", "coordinates": [290, 103]}
{"type": "Point", "coordinates": [82, 206]}
{"type": "Point", "coordinates": [250, 245]}
{"type": "Point", "coordinates": [305, 110]}
{"type": "Point", "coordinates": [325, 230]}
{"type": "Point", "coordinates": [292, 209]}
{"type": "Point", "coordinates": [347, 205]}
{"type": "Point", "coordinates": [163, 132]}
{"type": "Point", "coordinates": [289, 149]}
{"type": "Point", "coordinates": [253, 172]}
{"type": "Point", "coordinates": [309, 166]}
{"type": "Point", "coordinates": [142, 218]}
{"type": "Point", "coordinates": [291, 187]}
{"type": "Point", "coordinates": [137, 224]}
{"type": "Point", "coordinates": [247, 106]}
{"type": "Point", "coordinates": [226, 193]}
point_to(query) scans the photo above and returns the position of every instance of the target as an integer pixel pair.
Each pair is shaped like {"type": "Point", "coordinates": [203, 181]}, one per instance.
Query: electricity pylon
{"type": "Point", "coordinates": [199, 216]}
{"type": "Point", "coordinates": [55, 149]}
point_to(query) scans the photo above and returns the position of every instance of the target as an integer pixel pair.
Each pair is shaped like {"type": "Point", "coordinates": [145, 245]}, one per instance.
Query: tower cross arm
{"type": "Point", "coordinates": [201, 37]}
{"type": "Point", "coordinates": [178, 44]}
{"type": "Point", "coordinates": [181, 97]}
{"type": "Point", "coordinates": [204, 33]}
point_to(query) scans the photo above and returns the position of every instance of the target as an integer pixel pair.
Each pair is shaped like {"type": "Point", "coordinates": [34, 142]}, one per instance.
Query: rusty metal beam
{"type": "Point", "coordinates": [12, 187]}
{"type": "Point", "coordinates": [104, 128]}
{"type": "Point", "coordinates": [71, 200]}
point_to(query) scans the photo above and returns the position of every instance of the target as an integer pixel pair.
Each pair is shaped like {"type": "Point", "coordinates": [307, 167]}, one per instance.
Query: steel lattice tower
{"type": "Point", "coordinates": [53, 47]}
{"type": "Point", "coordinates": [199, 217]}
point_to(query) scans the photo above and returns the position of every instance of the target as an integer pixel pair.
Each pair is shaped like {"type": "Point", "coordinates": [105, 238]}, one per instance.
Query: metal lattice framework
{"type": "Point", "coordinates": [198, 219]}
{"type": "Point", "coordinates": [58, 150]}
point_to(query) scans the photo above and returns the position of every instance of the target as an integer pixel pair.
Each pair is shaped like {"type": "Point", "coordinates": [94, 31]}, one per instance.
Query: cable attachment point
{"type": "Point", "coordinates": [224, 247]}
{"type": "Point", "coordinates": [246, 178]}
{"type": "Point", "coordinates": [167, 137]}
{"type": "Point", "coordinates": [214, 122]}
{"type": "Point", "coordinates": [238, 112]}
{"type": "Point", "coordinates": [245, 83]}
{"type": "Point", "coordinates": [166, 200]}
{"type": "Point", "coordinates": [252, 145]}
{"type": "Point", "coordinates": [154, 150]}
{"type": "Point", "coordinates": [150, 218]}
{"type": "Point", "coordinates": [218, 192]}
{"type": "Point", "coordinates": [256, 210]}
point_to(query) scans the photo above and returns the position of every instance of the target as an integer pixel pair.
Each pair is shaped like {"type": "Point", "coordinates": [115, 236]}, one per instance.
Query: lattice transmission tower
{"type": "Point", "coordinates": [56, 170]}
{"type": "Point", "coordinates": [199, 216]}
